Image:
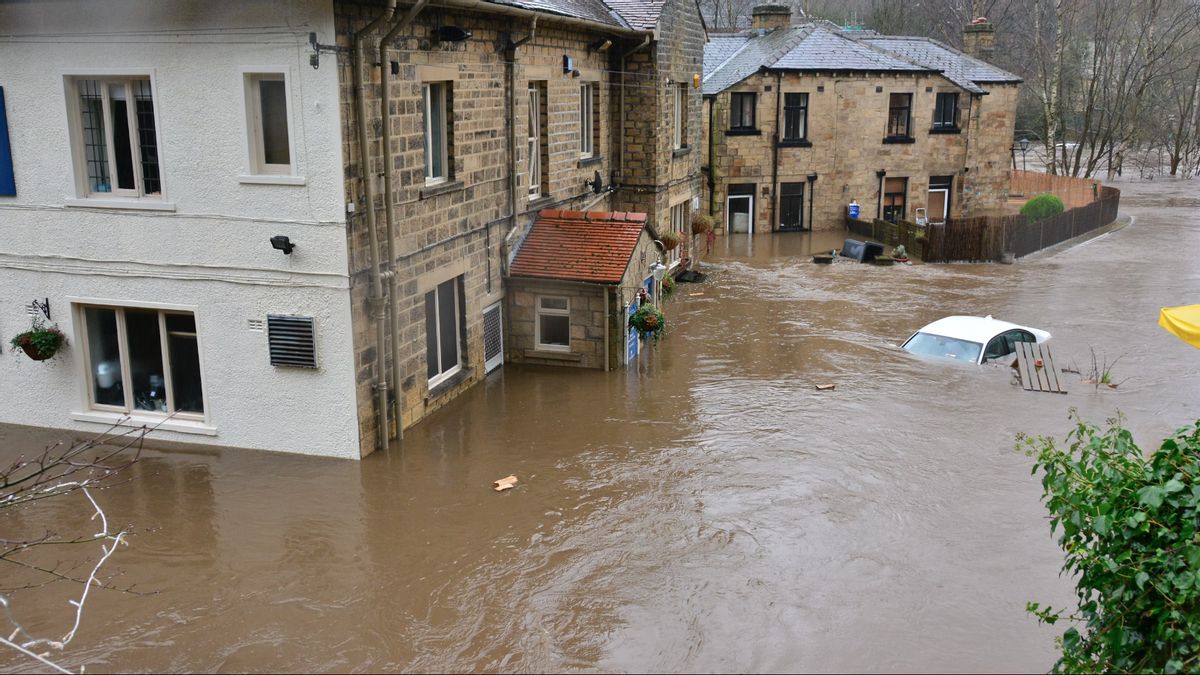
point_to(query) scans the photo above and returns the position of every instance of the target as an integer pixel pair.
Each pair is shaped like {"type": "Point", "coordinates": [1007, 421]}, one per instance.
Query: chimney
{"type": "Point", "coordinates": [770, 17]}
{"type": "Point", "coordinates": [979, 39]}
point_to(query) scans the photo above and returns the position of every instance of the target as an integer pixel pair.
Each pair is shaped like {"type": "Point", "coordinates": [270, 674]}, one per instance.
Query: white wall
{"type": "Point", "coordinates": [212, 250]}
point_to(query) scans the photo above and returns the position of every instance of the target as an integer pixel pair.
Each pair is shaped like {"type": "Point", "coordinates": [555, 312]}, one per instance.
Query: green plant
{"type": "Point", "coordinates": [702, 223]}
{"type": "Point", "coordinates": [39, 342]}
{"type": "Point", "coordinates": [1130, 528]}
{"type": "Point", "coordinates": [668, 284]}
{"type": "Point", "coordinates": [1042, 206]}
{"type": "Point", "coordinates": [649, 321]}
{"type": "Point", "coordinates": [670, 239]}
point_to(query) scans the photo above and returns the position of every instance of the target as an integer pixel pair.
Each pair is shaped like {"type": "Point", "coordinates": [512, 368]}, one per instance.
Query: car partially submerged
{"type": "Point", "coordinates": [975, 339]}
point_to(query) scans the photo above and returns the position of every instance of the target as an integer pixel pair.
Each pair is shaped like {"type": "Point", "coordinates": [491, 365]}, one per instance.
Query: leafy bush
{"type": "Point", "coordinates": [1042, 206]}
{"type": "Point", "coordinates": [1130, 527]}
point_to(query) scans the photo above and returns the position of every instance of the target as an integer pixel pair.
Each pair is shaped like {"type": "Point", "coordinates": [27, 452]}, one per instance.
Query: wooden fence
{"type": "Point", "coordinates": [1073, 191]}
{"type": "Point", "coordinates": [986, 238]}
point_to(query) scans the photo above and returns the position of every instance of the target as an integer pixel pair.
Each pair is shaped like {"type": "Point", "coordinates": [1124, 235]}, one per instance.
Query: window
{"type": "Point", "coordinates": [795, 117]}
{"type": "Point", "coordinates": [554, 324]}
{"type": "Point", "coordinates": [435, 99]}
{"type": "Point", "coordinates": [142, 360]}
{"type": "Point", "coordinates": [791, 206]}
{"type": "Point", "coordinates": [681, 114]}
{"type": "Point", "coordinates": [894, 193]}
{"type": "Point", "coordinates": [899, 108]}
{"type": "Point", "coordinates": [443, 330]}
{"type": "Point", "coordinates": [741, 110]}
{"type": "Point", "coordinates": [536, 151]}
{"type": "Point", "coordinates": [267, 117]}
{"type": "Point", "coordinates": [945, 113]}
{"type": "Point", "coordinates": [588, 118]}
{"type": "Point", "coordinates": [117, 127]}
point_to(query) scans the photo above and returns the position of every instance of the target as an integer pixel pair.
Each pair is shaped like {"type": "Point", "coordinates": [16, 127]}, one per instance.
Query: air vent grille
{"type": "Point", "coordinates": [293, 341]}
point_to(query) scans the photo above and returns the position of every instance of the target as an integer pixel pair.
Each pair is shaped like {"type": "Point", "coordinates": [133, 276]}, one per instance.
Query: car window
{"type": "Point", "coordinates": [998, 347]}
{"type": "Point", "coordinates": [928, 344]}
{"type": "Point", "coordinates": [1012, 337]}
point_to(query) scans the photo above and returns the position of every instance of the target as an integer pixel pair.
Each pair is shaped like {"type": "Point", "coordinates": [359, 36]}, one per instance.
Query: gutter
{"type": "Point", "coordinates": [385, 154]}
{"type": "Point", "coordinates": [376, 302]}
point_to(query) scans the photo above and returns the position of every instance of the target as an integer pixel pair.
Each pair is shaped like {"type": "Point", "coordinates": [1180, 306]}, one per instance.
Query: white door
{"type": "Point", "coordinates": [741, 214]}
{"type": "Point", "coordinates": [939, 200]}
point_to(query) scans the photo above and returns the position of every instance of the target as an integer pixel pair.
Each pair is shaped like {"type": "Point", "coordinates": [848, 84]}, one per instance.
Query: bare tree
{"type": "Point", "coordinates": [58, 474]}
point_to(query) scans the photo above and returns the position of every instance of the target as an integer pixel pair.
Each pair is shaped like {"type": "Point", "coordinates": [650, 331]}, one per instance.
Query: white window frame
{"type": "Point", "coordinates": [256, 164]}
{"type": "Point", "coordinates": [442, 376]}
{"type": "Point", "coordinates": [534, 147]}
{"type": "Point", "coordinates": [551, 311]}
{"type": "Point", "coordinates": [79, 311]}
{"type": "Point", "coordinates": [679, 224]}
{"type": "Point", "coordinates": [438, 91]}
{"type": "Point", "coordinates": [587, 102]}
{"type": "Point", "coordinates": [680, 137]}
{"type": "Point", "coordinates": [83, 190]}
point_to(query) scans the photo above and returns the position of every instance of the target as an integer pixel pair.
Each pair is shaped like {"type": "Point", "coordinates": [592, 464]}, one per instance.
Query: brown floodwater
{"type": "Point", "coordinates": [707, 510]}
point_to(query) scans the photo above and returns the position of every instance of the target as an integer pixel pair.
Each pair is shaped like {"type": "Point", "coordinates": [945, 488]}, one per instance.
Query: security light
{"type": "Point", "coordinates": [282, 243]}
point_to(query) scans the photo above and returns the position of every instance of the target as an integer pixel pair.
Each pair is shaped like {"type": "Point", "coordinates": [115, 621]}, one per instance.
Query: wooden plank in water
{"type": "Point", "coordinates": [1033, 378]}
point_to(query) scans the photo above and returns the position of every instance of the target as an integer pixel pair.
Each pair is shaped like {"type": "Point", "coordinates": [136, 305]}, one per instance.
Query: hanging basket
{"type": "Point", "coordinates": [40, 343]}
{"type": "Point", "coordinates": [670, 240]}
{"type": "Point", "coordinates": [648, 321]}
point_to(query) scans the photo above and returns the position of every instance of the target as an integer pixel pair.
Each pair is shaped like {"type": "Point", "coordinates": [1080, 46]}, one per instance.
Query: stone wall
{"type": "Point", "coordinates": [847, 123]}
{"type": "Point", "coordinates": [587, 322]}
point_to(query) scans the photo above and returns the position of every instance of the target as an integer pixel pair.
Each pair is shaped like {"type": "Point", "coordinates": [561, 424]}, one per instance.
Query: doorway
{"type": "Point", "coordinates": [740, 212]}
{"type": "Point", "coordinates": [791, 207]}
{"type": "Point", "coordinates": [939, 198]}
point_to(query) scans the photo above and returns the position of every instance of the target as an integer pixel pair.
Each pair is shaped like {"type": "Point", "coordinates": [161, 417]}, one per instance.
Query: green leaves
{"type": "Point", "coordinates": [1129, 525]}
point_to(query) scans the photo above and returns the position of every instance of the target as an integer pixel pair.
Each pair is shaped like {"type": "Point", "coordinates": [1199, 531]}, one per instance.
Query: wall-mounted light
{"type": "Point", "coordinates": [695, 80]}
{"type": "Point", "coordinates": [282, 243]}
{"type": "Point", "coordinates": [812, 177]}
{"type": "Point", "coordinates": [452, 34]}
{"type": "Point", "coordinates": [600, 45]}
{"type": "Point", "coordinates": [658, 270]}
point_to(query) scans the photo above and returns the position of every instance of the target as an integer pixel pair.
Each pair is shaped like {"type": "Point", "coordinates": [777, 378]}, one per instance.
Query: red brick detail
{"type": "Point", "coordinates": [574, 246]}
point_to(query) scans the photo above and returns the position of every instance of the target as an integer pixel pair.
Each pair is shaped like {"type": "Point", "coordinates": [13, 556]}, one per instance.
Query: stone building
{"type": "Point", "coordinates": [243, 250]}
{"type": "Point", "coordinates": [802, 120]}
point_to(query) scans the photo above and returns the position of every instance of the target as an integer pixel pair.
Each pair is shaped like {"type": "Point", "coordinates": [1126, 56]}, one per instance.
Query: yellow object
{"type": "Point", "coordinates": [1183, 322]}
{"type": "Point", "coordinates": [695, 80]}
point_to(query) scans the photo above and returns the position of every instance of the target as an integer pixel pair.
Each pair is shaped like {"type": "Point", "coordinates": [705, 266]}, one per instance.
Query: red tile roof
{"type": "Point", "coordinates": [592, 246]}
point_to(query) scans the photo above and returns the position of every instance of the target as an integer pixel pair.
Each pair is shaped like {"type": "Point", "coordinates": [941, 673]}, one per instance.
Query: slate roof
{"type": "Point", "coordinates": [958, 67]}
{"type": "Point", "coordinates": [639, 14]}
{"type": "Point", "coordinates": [822, 47]}
{"type": "Point", "coordinates": [592, 10]}
{"type": "Point", "coordinates": [591, 246]}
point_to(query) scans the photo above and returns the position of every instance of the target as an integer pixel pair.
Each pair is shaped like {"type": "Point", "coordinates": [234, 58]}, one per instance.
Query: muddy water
{"type": "Point", "coordinates": [706, 511]}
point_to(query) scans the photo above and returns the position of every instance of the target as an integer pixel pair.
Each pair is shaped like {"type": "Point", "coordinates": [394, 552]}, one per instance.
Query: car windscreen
{"type": "Point", "coordinates": [928, 344]}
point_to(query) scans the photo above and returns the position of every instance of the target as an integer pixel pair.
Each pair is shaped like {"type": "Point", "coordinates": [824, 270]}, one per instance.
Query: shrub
{"type": "Point", "coordinates": [1130, 528]}
{"type": "Point", "coordinates": [1042, 206]}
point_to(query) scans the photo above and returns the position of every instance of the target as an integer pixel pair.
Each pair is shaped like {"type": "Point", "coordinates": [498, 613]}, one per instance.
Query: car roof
{"type": "Point", "coordinates": [976, 328]}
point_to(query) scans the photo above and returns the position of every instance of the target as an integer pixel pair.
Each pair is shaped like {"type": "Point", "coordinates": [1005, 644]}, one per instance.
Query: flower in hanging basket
{"type": "Point", "coordinates": [39, 342]}
{"type": "Point", "coordinates": [668, 284]}
{"type": "Point", "coordinates": [670, 240]}
{"type": "Point", "coordinates": [648, 321]}
{"type": "Point", "coordinates": [702, 223]}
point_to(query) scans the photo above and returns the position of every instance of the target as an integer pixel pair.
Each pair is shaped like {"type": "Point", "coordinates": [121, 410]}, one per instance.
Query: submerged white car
{"type": "Point", "coordinates": [975, 339]}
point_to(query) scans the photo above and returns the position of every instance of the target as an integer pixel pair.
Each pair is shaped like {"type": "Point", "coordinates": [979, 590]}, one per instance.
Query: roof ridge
{"type": "Point", "coordinates": [739, 50]}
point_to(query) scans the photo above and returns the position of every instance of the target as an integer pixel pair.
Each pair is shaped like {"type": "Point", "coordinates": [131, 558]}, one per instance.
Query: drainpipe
{"type": "Point", "coordinates": [514, 191]}
{"type": "Point", "coordinates": [621, 132]}
{"type": "Point", "coordinates": [812, 196]}
{"type": "Point", "coordinates": [608, 321]}
{"type": "Point", "coordinates": [775, 152]}
{"type": "Point", "coordinates": [376, 303]}
{"type": "Point", "coordinates": [712, 153]}
{"type": "Point", "coordinates": [385, 99]}
{"type": "Point", "coordinates": [879, 210]}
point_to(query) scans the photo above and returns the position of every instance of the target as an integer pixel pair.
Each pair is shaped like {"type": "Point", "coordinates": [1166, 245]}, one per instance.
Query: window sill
{"type": "Point", "coordinates": [799, 143]}
{"type": "Point", "coordinates": [129, 204]}
{"type": "Point", "coordinates": [442, 388]}
{"type": "Point", "coordinates": [248, 179]}
{"type": "Point", "coordinates": [552, 355]}
{"type": "Point", "coordinates": [680, 152]}
{"type": "Point", "coordinates": [743, 132]}
{"type": "Point", "coordinates": [440, 188]}
{"type": "Point", "coordinates": [897, 140]}
{"type": "Point", "coordinates": [135, 420]}
{"type": "Point", "coordinates": [589, 161]}
{"type": "Point", "coordinates": [538, 203]}
{"type": "Point", "coordinates": [945, 130]}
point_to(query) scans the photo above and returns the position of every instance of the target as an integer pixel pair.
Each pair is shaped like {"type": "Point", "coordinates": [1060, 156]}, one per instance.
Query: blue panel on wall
{"type": "Point", "coordinates": [8, 185]}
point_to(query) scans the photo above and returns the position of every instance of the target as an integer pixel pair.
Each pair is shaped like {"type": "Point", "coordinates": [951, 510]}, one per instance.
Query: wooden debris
{"type": "Point", "coordinates": [1035, 366]}
{"type": "Point", "coordinates": [506, 483]}
{"type": "Point", "coordinates": [826, 387]}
